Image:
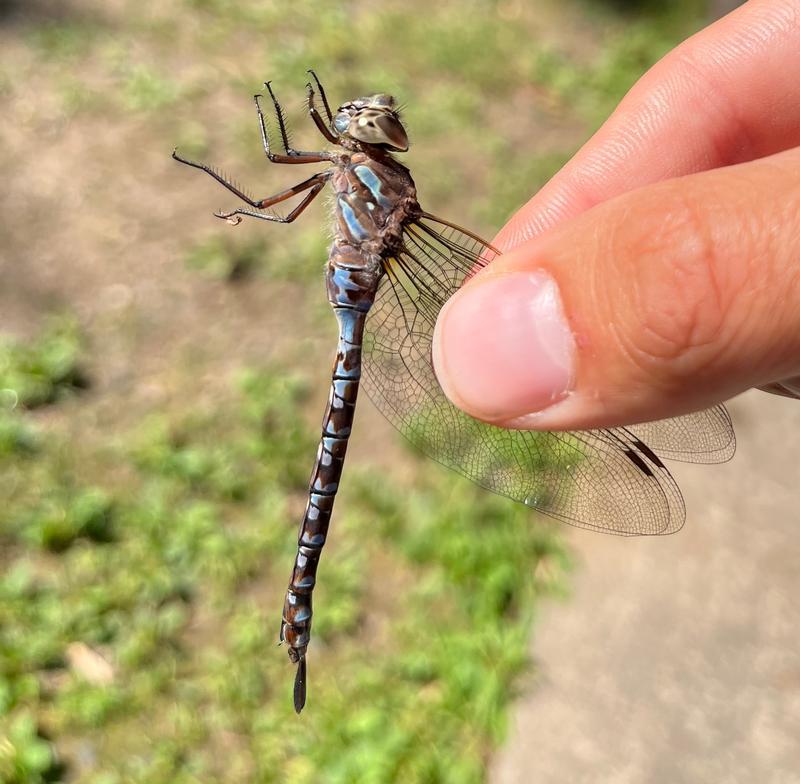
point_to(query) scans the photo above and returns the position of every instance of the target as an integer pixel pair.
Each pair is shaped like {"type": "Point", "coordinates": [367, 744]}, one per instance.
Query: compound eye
{"type": "Point", "coordinates": [341, 122]}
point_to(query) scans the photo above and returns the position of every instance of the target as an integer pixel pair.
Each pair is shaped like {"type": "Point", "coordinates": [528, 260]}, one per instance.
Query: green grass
{"type": "Point", "coordinates": [43, 371]}
{"type": "Point", "coordinates": [145, 89]}
{"type": "Point", "coordinates": [176, 578]}
{"type": "Point", "coordinates": [219, 257]}
{"type": "Point", "coordinates": [65, 40]}
{"type": "Point", "coordinates": [229, 256]}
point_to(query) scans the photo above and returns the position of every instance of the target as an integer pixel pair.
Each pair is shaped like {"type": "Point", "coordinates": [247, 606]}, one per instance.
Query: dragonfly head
{"type": "Point", "coordinates": [374, 119]}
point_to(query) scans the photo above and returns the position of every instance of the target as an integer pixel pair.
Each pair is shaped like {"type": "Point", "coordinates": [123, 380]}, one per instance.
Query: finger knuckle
{"type": "Point", "coordinates": [679, 294]}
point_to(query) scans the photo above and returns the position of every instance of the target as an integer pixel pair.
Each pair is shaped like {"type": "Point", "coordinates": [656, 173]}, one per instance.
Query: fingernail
{"type": "Point", "coordinates": [502, 347]}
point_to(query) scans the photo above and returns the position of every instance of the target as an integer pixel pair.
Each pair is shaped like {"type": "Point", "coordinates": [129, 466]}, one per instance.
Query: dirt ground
{"type": "Point", "coordinates": [676, 660]}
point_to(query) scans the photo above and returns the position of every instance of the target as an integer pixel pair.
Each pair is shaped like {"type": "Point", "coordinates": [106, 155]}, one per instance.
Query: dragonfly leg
{"type": "Point", "coordinates": [322, 95]}
{"type": "Point", "coordinates": [316, 183]}
{"type": "Point", "coordinates": [315, 115]}
{"type": "Point", "coordinates": [268, 201]}
{"type": "Point", "coordinates": [291, 156]}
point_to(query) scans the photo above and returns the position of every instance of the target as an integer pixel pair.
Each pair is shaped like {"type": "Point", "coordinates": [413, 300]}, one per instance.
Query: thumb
{"type": "Point", "coordinates": [662, 301]}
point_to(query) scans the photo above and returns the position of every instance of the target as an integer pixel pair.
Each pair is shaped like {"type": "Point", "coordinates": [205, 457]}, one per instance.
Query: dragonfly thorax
{"type": "Point", "coordinates": [373, 199]}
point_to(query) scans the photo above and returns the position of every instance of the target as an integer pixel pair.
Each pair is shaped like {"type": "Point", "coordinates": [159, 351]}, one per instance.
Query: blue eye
{"type": "Point", "coordinates": [341, 122]}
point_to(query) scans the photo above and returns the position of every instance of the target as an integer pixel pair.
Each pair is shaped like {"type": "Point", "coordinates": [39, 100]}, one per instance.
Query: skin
{"type": "Point", "coordinates": [672, 239]}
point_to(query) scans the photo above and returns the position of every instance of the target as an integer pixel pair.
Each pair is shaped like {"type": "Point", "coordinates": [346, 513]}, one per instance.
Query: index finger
{"type": "Point", "coordinates": [728, 94]}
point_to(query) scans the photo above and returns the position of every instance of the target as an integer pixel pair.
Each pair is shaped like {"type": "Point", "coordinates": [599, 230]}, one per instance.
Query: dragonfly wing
{"type": "Point", "coordinates": [608, 480]}
{"type": "Point", "coordinates": [701, 437]}
{"type": "Point", "coordinates": [787, 388]}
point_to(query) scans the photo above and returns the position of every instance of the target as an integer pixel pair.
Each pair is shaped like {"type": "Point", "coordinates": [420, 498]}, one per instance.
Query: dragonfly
{"type": "Point", "coordinates": [391, 268]}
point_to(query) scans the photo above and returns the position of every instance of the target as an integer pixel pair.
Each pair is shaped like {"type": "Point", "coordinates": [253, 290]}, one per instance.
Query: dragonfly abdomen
{"type": "Point", "coordinates": [351, 290]}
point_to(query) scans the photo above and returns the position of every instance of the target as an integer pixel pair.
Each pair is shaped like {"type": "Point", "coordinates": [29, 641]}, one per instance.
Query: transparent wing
{"type": "Point", "coordinates": [607, 480]}
{"type": "Point", "coordinates": [701, 437]}
{"type": "Point", "coordinates": [786, 388]}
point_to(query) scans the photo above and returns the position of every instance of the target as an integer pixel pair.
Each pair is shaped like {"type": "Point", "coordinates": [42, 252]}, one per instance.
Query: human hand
{"type": "Point", "coordinates": [658, 272]}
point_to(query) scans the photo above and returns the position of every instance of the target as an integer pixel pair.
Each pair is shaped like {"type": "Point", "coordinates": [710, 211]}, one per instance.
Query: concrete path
{"type": "Point", "coordinates": [677, 659]}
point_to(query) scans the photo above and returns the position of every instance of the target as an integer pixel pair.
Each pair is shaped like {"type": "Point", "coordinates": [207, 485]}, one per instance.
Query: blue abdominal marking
{"type": "Point", "coordinates": [348, 319]}
{"type": "Point", "coordinates": [357, 231]}
{"type": "Point", "coordinates": [371, 181]}
{"type": "Point", "coordinates": [344, 281]}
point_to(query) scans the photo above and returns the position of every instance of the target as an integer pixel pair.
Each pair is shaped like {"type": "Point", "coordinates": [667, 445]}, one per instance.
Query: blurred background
{"type": "Point", "coordinates": [162, 378]}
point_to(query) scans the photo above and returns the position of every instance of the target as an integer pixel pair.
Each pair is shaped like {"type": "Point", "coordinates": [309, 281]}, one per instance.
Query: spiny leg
{"type": "Point", "coordinates": [315, 189]}
{"type": "Point", "coordinates": [291, 156]}
{"type": "Point", "coordinates": [281, 119]}
{"type": "Point", "coordinates": [268, 201]}
{"type": "Point", "coordinates": [322, 95]}
{"type": "Point", "coordinates": [217, 176]}
{"type": "Point", "coordinates": [318, 121]}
